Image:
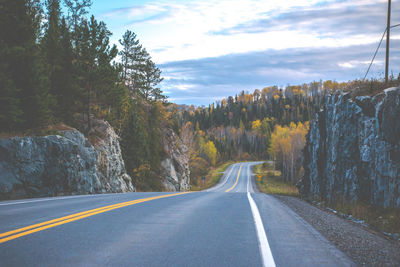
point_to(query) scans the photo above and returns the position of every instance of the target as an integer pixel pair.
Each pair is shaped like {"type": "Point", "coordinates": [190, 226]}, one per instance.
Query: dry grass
{"type": "Point", "coordinates": [213, 177]}
{"type": "Point", "coordinates": [54, 129]}
{"type": "Point", "coordinates": [386, 220]}
{"type": "Point", "coordinates": [271, 183]}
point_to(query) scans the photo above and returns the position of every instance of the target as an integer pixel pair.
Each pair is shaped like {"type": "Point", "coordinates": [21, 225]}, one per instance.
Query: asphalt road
{"type": "Point", "coordinates": [228, 225]}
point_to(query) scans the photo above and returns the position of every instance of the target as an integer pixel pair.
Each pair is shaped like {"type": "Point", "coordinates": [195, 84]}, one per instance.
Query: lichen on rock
{"type": "Point", "coordinates": [353, 150]}
{"type": "Point", "coordinates": [38, 166]}
{"type": "Point", "coordinates": [175, 167]}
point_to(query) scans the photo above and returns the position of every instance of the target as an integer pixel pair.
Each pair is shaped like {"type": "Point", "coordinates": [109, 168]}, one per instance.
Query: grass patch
{"type": "Point", "coordinates": [271, 182]}
{"type": "Point", "coordinates": [213, 176]}
{"type": "Point", "coordinates": [382, 219]}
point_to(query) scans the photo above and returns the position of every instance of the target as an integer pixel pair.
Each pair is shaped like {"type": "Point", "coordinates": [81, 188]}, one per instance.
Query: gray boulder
{"type": "Point", "coordinates": [39, 166]}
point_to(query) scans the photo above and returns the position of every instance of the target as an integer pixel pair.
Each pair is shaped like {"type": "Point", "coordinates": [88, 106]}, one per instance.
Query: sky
{"type": "Point", "coordinates": [208, 49]}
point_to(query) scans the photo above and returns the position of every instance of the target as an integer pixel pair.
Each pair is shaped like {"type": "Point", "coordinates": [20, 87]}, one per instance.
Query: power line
{"type": "Point", "coordinates": [376, 51]}
{"type": "Point", "coordinates": [372, 61]}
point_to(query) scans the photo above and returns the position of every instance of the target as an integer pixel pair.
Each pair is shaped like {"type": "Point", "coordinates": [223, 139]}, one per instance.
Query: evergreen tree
{"type": "Point", "coordinates": [133, 57]}
{"type": "Point", "coordinates": [134, 142]}
{"type": "Point", "coordinates": [131, 49]}
{"type": "Point", "coordinates": [95, 63]}
{"type": "Point", "coordinates": [26, 100]}
{"type": "Point", "coordinates": [77, 9]}
{"type": "Point", "coordinates": [35, 11]}
{"type": "Point", "coordinates": [51, 46]}
{"type": "Point", "coordinates": [152, 74]}
{"type": "Point", "coordinates": [69, 96]}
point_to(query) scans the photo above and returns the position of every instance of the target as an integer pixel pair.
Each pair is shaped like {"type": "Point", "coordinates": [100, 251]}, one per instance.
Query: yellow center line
{"type": "Point", "coordinates": [74, 217]}
{"type": "Point", "coordinates": [237, 179]}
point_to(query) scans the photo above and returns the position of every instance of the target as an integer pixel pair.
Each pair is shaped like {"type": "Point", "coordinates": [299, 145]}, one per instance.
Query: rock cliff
{"type": "Point", "coordinates": [353, 150]}
{"type": "Point", "coordinates": [64, 164]}
{"type": "Point", "coordinates": [175, 167]}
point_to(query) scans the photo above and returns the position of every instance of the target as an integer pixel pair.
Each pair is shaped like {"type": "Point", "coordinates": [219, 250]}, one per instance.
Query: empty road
{"type": "Point", "coordinates": [228, 225]}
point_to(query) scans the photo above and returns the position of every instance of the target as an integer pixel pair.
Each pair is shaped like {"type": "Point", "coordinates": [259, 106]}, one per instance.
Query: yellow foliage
{"type": "Point", "coordinates": [141, 171]}
{"type": "Point", "coordinates": [331, 85]}
{"type": "Point", "coordinates": [210, 151]}
{"type": "Point", "coordinates": [286, 145]}
{"type": "Point", "coordinates": [256, 125]}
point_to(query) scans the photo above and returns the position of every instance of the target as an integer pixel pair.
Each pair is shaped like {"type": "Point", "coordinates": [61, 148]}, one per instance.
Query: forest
{"type": "Point", "coordinates": [59, 68]}
{"type": "Point", "coordinates": [268, 124]}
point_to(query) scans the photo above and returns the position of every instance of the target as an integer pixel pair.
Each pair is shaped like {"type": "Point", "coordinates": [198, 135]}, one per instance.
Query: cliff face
{"type": "Point", "coordinates": [353, 150]}
{"type": "Point", "coordinates": [175, 167]}
{"type": "Point", "coordinates": [59, 165]}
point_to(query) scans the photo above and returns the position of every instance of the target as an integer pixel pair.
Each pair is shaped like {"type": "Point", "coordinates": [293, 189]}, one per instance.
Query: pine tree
{"type": "Point", "coordinates": [51, 46]}
{"type": "Point", "coordinates": [133, 57]}
{"type": "Point", "coordinates": [69, 96]}
{"type": "Point", "coordinates": [77, 9]}
{"type": "Point", "coordinates": [27, 97]}
{"type": "Point", "coordinates": [129, 53]}
{"type": "Point", "coordinates": [96, 71]}
{"type": "Point", "coordinates": [10, 111]}
{"type": "Point", "coordinates": [152, 75]}
{"type": "Point", "coordinates": [134, 142]}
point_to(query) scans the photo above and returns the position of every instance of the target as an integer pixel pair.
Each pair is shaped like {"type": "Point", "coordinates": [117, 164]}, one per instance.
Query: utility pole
{"type": "Point", "coordinates": [387, 42]}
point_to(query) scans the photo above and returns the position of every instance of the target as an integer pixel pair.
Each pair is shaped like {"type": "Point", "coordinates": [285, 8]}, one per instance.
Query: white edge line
{"type": "Point", "coordinates": [40, 200]}
{"type": "Point", "coordinates": [265, 250]}
{"type": "Point", "coordinates": [248, 177]}
{"type": "Point", "coordinates": [58, 198]}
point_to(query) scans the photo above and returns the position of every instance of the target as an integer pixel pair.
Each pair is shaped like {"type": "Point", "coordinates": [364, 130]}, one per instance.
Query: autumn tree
{"type": "Point", "coordinates": [286, 145]}
{"type": "Point", "coordinates": [209, 149]}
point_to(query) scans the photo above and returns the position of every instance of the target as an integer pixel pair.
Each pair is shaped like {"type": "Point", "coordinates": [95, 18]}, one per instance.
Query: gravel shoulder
{"type": "Point", "coordinates": [361, 244]}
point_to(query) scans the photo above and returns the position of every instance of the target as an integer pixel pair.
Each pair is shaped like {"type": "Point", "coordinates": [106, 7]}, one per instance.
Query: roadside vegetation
{"type": "Point", "coordinates": [270, 181]}
{"type": "Point", "coordinates": [379, 219]}
{"type": "Point", "coordinates": [386, 220]}
{"type": "Point", "coordinates": [72, 75]}
{"type": "Point", "coordinates": [211, 178]}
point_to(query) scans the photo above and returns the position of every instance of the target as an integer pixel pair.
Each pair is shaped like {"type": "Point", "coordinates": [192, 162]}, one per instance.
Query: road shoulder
{"type": "Point", "coordinates": [361, 245]}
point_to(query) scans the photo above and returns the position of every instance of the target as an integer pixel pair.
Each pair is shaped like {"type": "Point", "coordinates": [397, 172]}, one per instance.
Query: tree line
{"type": "Point", "coordinates": [267, 124]}
{"type": "Point", "coordinates": [241, 126]}
{"type": "Point", "coordinates": [61, 68]}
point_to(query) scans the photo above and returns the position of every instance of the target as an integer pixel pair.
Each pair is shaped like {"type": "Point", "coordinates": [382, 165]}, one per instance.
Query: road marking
{"type": "Point", "coordinates": [10, 235]}
{"type": "Point", "coordinates": [248, 178]}
{"type": "Point", "coordinates": [266, 254]}
{"type": "Point", "coordinates": [224, 181]}
{"type": "Point", "coordinates": [237, 179]}
{"type": "Point", "coordinates": [46, 199]}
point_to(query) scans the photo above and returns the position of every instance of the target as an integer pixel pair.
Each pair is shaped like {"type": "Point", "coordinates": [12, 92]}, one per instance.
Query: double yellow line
{"type": "Point", "coordinates": [237, 179]}
{"type": "Point", "coordinates": [10, 235]}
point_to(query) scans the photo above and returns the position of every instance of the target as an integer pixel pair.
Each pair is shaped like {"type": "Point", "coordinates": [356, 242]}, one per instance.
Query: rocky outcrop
{"type": "Point", "coordinates": [64, 164]}
{"type": "Point", "coordinates": [109, 161]}
{"type": "Point", "coordinates": [353, 150]}
{"type": "Point", "coordinates": [175, 167]}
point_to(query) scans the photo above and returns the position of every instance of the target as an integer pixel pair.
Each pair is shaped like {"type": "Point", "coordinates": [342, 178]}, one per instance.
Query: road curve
{"type": "Point", "coordinates": [230, 224]}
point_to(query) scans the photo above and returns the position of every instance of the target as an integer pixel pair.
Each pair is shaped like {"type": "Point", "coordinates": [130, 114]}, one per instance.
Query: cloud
{"type": "Point", "coordinates": [338, 19]}
{"type": "Point", "coordinates": [210, 79]}
{"type": "Point", "coordinates": [182, 30]}
{"type": "Point", "coordinates": [208, 49]}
